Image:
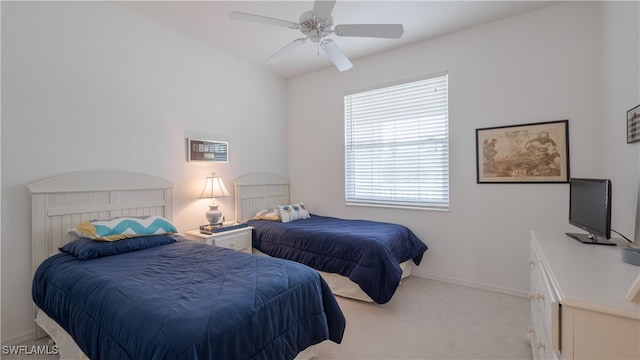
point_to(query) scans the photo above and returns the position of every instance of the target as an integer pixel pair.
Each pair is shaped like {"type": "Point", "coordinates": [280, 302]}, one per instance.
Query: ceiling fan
{"type": "Point", "coordinates": [317, 25]}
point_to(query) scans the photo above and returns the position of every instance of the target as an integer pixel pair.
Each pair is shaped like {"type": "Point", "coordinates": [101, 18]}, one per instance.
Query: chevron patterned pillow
{"type": "Point", "coordinates": [124, 227]}
{"type": "Point", "coordinates": [268, 214]}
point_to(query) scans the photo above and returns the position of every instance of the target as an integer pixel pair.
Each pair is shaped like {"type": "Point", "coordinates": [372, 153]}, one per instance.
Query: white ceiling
{"type": "Point", "coordinates": [209, 23]}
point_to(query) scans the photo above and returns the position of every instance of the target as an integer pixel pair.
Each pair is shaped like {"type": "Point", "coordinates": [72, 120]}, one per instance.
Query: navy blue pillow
{"type": "Point", "coordinates": [89, 249]}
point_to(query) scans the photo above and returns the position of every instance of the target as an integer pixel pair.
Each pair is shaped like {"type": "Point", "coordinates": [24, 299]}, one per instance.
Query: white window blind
{"type": "Point", "coordinates": [397, 145]}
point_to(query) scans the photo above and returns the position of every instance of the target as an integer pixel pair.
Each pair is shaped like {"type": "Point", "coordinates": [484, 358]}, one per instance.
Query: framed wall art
{"type": "Point", "coordinates": [207, 150]}
{"type": "Point", "coordinates": [633, 125]}
{"type": "Point", "coordinates": [525, 153]}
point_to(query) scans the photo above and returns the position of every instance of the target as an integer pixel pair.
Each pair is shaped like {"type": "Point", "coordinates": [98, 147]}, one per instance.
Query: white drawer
{"type": "Point", "coordinates": [236, 239]}
{"type": "Point", "coordinates": [545, 310]}
{"type": "Point", "coordinates": [240, 241]}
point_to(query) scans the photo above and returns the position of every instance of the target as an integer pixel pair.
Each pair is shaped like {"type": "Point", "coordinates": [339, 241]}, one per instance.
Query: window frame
{"type": "Point", "coordinates": [439, 202]}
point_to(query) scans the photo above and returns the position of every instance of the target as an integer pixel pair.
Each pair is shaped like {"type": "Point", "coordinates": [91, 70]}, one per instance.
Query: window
{"type": "Point", "coordinates": [397, 145]}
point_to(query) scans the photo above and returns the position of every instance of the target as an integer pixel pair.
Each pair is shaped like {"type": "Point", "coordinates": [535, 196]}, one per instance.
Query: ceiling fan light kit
{"type": "Point", "coordinates": [317, 25]}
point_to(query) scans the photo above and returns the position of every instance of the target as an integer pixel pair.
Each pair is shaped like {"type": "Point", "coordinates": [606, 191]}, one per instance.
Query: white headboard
{"type": "Point", "coordinates": [258, 191]}
{"type": "Point", "coordinates": [58, 204]}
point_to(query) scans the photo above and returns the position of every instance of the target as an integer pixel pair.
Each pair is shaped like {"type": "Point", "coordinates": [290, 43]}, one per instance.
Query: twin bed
{"type": "Point", "coordinates": [165, 297]}
{"type": "Point", "coordinates": [160, 296]}
{"type": "Point", "coordinates": [359, 259]}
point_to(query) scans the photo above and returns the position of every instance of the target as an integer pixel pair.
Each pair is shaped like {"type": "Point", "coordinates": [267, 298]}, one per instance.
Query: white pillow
{"type": "Point", "coordinates": [293, 212]}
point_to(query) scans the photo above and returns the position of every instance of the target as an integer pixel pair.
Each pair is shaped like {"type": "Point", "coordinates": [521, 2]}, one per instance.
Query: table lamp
{"type": "Point", "coordinates": [214, 188]}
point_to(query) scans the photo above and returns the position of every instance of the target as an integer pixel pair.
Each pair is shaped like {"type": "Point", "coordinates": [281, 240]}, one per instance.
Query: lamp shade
{"type": "Point", "coordinates": [214, 188]}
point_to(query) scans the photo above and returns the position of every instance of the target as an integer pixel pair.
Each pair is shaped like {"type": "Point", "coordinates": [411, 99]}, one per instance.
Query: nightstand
{"type": "Point", "coordinates": [236, 239]}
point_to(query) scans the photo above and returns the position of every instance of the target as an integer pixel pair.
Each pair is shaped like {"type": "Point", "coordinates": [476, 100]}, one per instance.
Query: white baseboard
{"type": "Point", "coordinates": [19, 339]}
{"type": "Point", "coordinates": [477, 285]}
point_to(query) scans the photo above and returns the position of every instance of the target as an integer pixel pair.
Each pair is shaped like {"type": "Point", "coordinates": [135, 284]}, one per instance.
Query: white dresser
{"type": "Point", "coordinates": [578, 300]}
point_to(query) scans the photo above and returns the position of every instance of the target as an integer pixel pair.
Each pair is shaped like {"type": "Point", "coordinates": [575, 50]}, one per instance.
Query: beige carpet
{"type": "Point", "coordinates": [428, 319]}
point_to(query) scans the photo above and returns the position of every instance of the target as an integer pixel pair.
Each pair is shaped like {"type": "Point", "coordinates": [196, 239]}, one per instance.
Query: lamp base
{"type": "Point", "coordinates": [214, 215]}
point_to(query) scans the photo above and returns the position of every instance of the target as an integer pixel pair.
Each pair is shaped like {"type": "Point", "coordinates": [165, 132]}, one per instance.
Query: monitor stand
{"type": "Point", "coordinates": [590, 239]}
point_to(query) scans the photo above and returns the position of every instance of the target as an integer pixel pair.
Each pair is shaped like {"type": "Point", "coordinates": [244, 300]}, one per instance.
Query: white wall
{"type": "Point", "coordinates": [89, 85]}
{"type": "Point", "coordinates": [621, 54]}
{"type": "Point", "coordinates": [541, 66]}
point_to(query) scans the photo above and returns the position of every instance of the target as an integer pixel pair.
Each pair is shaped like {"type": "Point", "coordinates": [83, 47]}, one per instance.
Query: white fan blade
{"type": "Point", "coordinates": [390, 31]}
{"type": "Point", "coordinates": [282, 53]}
{"type": "Point", "coordinates": [263, 19]}
{"type": "Point", "coordinates": [336, 55]}
{"type": "Point", "coordinates": [323, 8]}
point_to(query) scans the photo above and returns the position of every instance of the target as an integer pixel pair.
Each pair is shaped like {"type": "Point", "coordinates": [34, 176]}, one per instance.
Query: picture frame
{"type": "Point", "coordinates": [523, 153]}
{"type": "Point", "coordinates": [207, 150]}
{"type": "Point", "coordinates": [633, 125]}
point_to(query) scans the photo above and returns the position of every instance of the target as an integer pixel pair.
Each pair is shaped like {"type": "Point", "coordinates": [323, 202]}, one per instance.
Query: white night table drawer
{"type": "Point", "coordinates": [236, 239]}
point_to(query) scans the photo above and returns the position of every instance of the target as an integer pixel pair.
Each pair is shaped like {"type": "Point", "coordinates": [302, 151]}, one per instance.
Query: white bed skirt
{"type": "Point", "coordinates": [342, 286]}
{"type": "Point", "coordinates": [69, 350]}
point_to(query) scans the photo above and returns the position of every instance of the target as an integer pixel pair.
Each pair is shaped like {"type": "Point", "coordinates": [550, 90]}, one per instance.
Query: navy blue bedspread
{"type": "Point", "coordinates": [369, 253]}
{"type": "Point", "coordinates": [188, 300]}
